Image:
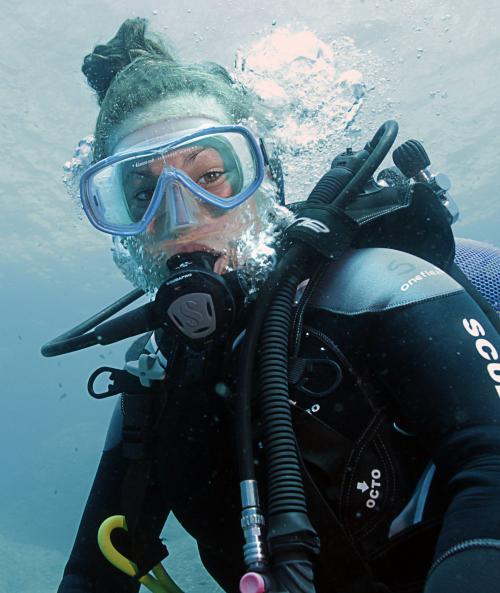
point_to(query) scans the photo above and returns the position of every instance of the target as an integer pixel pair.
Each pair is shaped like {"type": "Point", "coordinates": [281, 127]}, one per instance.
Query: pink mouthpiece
{"type": "Point", "coordinates": [252, 582]}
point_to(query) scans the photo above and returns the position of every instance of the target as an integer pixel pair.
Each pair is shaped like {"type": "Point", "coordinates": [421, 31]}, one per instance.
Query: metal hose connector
{"type": "Point", "coordinates": [252, 523]}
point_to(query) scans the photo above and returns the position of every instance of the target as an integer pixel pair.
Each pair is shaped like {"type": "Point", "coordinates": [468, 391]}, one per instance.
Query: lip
{"type": "Point", "coordinates": [190, 247]}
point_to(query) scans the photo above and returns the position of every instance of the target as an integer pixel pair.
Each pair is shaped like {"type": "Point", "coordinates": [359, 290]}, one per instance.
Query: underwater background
{"type": "Point", "coordinates": [331, 72]}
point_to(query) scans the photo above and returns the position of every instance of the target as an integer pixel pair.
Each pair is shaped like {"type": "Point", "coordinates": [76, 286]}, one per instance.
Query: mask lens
{"type": "Point", "coordinates": [221, 164]}
{"type": "Point", "coordinates": [120, 193]}
{"type": "Point", "coordinates": [215, 167]}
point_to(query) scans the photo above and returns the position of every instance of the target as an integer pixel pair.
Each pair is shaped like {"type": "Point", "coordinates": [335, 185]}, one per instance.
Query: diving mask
{"type": "Point", "coordinates": [166, 185]}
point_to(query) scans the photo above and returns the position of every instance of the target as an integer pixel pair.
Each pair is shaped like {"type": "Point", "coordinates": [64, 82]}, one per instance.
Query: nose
{"type": "Point", "coordinates": [179, 210]}
{"type": "Point", "coordinates": [176, 214]}
{"type": "Point", "coordinates": [161, 228]}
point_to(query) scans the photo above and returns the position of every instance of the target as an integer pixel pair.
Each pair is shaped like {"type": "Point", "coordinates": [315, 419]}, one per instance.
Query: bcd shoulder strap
{"type": "Point", "coordinates": [142, 414]}
{"type": "Point", "coordinates": [138, 430]}
{"type": "Point", "coordinates": [340, 565]}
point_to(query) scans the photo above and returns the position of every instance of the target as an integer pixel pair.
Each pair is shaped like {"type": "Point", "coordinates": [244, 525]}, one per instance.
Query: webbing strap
{"type": "Point", "coordinates": [146, 551]}
{"type": "Point", "coordinates": [339, 564]}
{"type": "Point", "coordinates": [139, 427]}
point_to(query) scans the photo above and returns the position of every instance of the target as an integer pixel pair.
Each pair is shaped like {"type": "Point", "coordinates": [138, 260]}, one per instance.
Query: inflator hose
{"type": "Point", "coordinates": [285, 489]}
{"type": "Point", "coordinates": [290, 534]}
{"type": "Point", "coordinates": [244, 435]}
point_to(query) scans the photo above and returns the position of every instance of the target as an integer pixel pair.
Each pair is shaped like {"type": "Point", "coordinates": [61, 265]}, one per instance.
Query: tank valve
{"type": "Point", "coordinates": [413, 161]}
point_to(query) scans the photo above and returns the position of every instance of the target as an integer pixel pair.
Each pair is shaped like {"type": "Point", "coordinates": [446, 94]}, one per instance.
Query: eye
{"type": "Point", "coordinates": [212, 177]}
{"type": "Point", "coordinates": [144, 195]}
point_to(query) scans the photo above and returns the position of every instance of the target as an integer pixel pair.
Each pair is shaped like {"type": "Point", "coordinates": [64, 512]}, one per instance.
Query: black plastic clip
{"type": "Point", "coordinates": [303, 373]}
{"type": "Point", "coordinates": [119, 382]}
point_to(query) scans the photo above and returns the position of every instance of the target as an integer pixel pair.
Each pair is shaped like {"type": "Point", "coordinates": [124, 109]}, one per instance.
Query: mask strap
{"type": "Point", "coordinates": [276, 170]}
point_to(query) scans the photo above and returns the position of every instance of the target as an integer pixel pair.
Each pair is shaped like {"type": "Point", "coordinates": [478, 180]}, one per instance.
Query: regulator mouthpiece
{"type": "Point", "coordinates": [198, 304]}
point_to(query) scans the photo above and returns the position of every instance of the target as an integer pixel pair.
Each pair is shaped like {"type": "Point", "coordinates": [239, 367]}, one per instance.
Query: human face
{"type": "Point", "coordinates": [213, 226]}
{"type": "Point", "coordinates": [196, 191]}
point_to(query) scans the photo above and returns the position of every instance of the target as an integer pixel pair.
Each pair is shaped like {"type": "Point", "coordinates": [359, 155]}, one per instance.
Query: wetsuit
{"type": "Point", "coordinates": [395, 388]}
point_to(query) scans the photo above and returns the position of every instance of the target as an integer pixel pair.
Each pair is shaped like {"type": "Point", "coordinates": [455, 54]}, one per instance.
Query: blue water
{"type": "Point", "coordinates": [432, 66]}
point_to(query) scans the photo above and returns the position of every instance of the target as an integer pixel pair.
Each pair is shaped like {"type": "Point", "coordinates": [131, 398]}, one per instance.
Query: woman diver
{"type": "Point", "coordinates": [393, 368]}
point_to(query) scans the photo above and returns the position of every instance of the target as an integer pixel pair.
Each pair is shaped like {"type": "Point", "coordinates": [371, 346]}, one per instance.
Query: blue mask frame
{"type": "Point", "coordinates": [168, 176]}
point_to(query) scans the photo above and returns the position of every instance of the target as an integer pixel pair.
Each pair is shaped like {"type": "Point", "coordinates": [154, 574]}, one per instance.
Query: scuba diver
{"type": "Point", "coordinates": [315, 394]}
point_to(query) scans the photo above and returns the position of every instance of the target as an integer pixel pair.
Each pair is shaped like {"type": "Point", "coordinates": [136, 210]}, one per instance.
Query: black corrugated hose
{"type": "Point", "coordinates": [285, 490]}
{"type": "Point", "coordinates": [291, 536]}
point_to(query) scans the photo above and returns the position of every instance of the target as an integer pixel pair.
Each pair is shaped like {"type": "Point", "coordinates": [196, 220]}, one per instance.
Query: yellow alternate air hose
{"type": "Point", "coordinates": [159, 582]}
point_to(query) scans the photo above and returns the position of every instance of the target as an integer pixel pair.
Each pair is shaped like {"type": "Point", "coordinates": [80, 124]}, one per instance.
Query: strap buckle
{"type": "Point", "coordinates": [119, 381]}
{"type": "Point", "coordinates": [137, 377]}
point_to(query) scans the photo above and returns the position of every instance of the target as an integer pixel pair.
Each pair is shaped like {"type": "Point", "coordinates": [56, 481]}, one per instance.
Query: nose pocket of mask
{"type": "Point", "coordinates": [180, 212]}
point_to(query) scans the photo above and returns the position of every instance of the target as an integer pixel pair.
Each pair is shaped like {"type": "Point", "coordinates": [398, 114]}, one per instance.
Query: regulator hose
{"type": "Point", "coordinates": [377, 148]}
{"type": "Point", "coordinates": [81, 336]}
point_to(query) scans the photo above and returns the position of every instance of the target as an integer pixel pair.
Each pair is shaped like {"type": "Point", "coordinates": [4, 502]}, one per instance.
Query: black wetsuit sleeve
{"type": "Point", "coordinates": [87, 571]}
{"type": "Point", "coordinates": [440, 362]}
